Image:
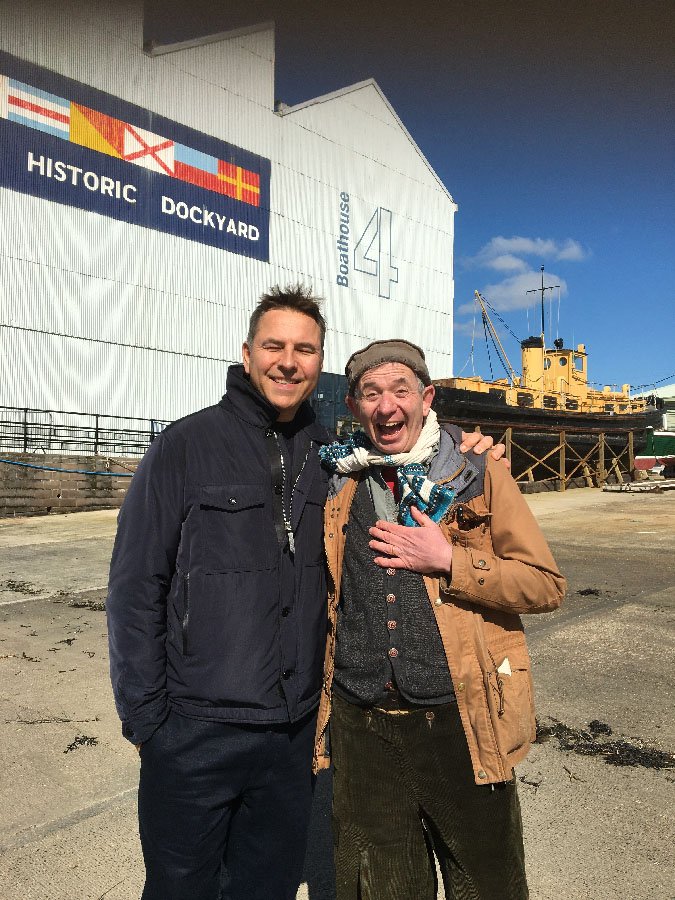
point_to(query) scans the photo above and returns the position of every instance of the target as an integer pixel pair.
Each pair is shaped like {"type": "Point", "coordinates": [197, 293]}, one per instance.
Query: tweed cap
{"type": "Point", "coordinates": [380, 352]}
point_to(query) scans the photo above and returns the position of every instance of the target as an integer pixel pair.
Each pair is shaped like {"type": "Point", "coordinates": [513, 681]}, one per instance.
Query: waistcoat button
{"type": "Point", "coordinates": [391, 624]}
{"type": "Point", "coordinates": [391, 571]}
{"type": "Point", "coordinates": [393, 653]}
{"type": "Point", "coordinates": [391, 598]}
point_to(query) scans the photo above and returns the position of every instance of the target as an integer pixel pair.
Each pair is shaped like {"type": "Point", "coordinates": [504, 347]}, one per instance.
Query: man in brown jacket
{"type": "Point", "coordinates": [432, 556]}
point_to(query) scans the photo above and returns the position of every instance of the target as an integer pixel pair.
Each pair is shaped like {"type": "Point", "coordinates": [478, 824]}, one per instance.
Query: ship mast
{"type": "Point", "coordinates": [486, 318]}
{"type": "Point", "coordinates": [541, 290]}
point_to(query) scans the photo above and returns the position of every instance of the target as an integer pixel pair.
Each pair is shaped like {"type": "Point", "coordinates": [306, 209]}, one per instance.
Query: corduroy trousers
{"type": "Point", "coordinates": [224, 809]}
{"type": "Point", "coordinates": [403, 787]}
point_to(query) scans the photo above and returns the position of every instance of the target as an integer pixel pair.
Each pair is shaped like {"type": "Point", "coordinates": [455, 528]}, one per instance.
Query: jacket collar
{"type": "Point", "coordinates": [450, 460]}
{"type": "Point", "coordinates": [249, 405]}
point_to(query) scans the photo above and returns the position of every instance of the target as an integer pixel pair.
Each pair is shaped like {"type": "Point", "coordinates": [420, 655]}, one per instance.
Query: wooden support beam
{"type": "Point", "coordinates": [602, 474]}
{"type": "Point", "coordinates": [563, 478]}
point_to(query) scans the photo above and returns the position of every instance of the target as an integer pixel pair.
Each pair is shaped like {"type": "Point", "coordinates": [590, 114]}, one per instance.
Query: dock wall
{"type": "Point", "coordinates": [32, 485]}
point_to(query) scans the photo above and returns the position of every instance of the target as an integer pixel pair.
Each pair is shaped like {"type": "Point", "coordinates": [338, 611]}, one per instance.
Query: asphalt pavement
{"type": "Point", "coordinates": [596, 790]}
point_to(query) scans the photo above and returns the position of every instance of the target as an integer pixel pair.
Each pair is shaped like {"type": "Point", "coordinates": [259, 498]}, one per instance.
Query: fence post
{"type": "Point", "coordinates": [631, 456]}
{"type": "Point", "coordinates": [508, 434]}
{"type": "Point", "coordinates": [95, 434]}
{"type": "Point", "coordinates": [25, 431]}
{"type": "Point", "coordinates": [563, 484]}
{"type": "Point", "coordinates": [601, 460]}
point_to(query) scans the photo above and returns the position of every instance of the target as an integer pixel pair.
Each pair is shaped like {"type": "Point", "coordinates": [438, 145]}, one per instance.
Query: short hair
{"type": "Point", "coordinates": [297, 297]}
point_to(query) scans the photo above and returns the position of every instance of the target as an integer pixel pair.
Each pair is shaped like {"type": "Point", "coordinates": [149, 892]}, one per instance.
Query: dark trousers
{"type": "Point", "coordinates": [402, 785]}
{"type": "Point", "coordinates": [225, 807]}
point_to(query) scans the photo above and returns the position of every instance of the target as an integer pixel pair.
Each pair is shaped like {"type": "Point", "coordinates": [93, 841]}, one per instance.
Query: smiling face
{"type": "Point", "coordinates": [284, 359]}
{"type": "Point", "coordinates": [390, 406]}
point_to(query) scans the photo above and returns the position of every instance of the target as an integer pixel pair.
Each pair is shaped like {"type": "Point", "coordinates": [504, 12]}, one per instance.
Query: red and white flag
{"type": "Point", "coordinates": [148, 150]}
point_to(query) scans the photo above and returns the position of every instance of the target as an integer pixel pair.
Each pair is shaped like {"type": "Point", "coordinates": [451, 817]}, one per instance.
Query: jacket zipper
{"type": "Point", "coordinates": [186, 613]}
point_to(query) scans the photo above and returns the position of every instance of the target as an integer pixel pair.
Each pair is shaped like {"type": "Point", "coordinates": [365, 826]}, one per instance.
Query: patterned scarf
{"type": "Point", "coordinates": [357, 453]}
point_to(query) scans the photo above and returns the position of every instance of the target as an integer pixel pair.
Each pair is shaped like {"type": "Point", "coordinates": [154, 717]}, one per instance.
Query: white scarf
{"type": "Point", "coordinates": [356, 454]}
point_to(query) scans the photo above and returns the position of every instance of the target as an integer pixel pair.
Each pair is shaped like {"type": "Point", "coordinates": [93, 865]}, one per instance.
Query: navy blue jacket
{"type": "Point", "coordinates": [197, 617]}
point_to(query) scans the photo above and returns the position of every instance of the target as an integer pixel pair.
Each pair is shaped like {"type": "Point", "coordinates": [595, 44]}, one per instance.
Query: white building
{"type": "Point", "coordinates": [147, 201]}
{"type": "Point", "coordinates": [666, 393]}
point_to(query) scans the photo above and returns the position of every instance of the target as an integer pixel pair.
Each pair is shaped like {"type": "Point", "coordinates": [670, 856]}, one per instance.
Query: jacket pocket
{"type": "Point", "coordinates": [469, 529]}
{"type": "Point", "coordinates": [509, 696]}
{"type": "Point", "coordinates": [234, 528]}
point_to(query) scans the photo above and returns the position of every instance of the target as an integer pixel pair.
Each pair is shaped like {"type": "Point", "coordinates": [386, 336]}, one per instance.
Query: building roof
{"type": "Point", "coordinates": [666, 391]}
{"type": "Point", "coordinates": [367, 84]}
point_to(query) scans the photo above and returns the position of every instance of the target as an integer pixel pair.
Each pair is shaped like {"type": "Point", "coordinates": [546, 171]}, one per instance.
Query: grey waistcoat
{"type": "Point", "coordinates": [387, 630]}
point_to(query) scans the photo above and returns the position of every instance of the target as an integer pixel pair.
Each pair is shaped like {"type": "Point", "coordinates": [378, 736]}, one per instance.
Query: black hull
{"type": "Point", "coordinates": [470, 408]}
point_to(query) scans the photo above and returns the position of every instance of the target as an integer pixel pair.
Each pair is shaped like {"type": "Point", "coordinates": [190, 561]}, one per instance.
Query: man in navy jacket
{"type": "Point", "coordinates": [216, 615]}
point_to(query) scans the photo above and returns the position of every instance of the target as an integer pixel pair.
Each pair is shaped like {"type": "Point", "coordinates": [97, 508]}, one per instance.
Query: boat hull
{"type": "Point", "coordinates": [471, 408]}
{"type": "Point", "coordinates": [659, 451]}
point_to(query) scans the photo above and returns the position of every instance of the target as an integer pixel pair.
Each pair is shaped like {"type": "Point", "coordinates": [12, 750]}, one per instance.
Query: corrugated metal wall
{"type": "Point", "coordinates": [104, 316]}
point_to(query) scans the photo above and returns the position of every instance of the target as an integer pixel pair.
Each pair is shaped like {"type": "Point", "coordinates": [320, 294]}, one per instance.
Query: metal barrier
{"type": "Point", "coordinates": [61, 432]}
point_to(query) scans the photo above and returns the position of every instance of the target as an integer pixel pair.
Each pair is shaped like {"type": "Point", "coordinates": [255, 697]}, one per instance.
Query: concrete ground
{"type": "Point", "coordinates": [593, 828]}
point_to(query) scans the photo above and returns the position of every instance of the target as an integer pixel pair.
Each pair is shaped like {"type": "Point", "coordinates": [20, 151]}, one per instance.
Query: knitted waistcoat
{"type": "Point", "coordinates": [387, 630]}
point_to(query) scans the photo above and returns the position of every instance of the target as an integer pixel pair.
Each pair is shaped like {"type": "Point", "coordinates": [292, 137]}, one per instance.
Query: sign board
{"type": "Point", "coordinates": [69, 143]}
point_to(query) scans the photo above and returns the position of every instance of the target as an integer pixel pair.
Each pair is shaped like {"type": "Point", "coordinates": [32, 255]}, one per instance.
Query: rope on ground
{"type": "Point", "coordinates": [13, 462]}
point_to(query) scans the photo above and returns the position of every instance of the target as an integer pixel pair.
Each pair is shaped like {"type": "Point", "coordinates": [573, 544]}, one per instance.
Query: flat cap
{"type": "Point", "coordinates": [380, 352]}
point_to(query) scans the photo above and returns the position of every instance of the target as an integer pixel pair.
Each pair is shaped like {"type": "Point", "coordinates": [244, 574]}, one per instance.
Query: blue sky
{"type": "Point", "coordinates": [552, 126]}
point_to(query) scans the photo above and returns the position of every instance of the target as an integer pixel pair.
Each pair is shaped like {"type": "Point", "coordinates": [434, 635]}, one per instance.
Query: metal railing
{"type": "Point", "coordinates": [25, 430]}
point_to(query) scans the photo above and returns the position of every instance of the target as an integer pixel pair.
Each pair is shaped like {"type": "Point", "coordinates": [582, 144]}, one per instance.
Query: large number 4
{"type": "Point", "coordinates": [372, 253]}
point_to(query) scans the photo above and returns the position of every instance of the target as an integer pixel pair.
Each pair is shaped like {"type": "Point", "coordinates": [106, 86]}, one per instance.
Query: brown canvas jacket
{"type": "Point", "coordinates": [502, 567]}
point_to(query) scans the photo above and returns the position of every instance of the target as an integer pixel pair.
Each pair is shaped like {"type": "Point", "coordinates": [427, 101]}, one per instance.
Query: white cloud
{"type": "Point", "coordinates": [513, 260]}
{"type": "Point", "coordinates": [572, 251]}
{"type": "Point", "coordinates": [507, 262]}
{"type": "Point", "coordinates": [465, 327]}
{"type": "Point", "coordinates": [511, 293]}
{"type": "Point", "coordinates": [503, 254]}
